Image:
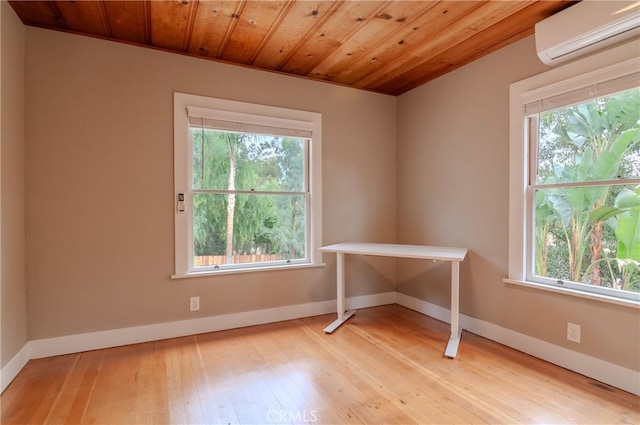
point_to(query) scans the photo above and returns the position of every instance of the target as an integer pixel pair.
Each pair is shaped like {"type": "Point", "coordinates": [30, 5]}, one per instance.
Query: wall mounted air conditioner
{"type": "Point", "coordinates": [586, 27]}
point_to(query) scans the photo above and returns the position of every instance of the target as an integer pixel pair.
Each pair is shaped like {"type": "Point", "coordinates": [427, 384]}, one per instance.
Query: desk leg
{"type": "Point", "coordinates": [456, 331]}
{"type": "Point", "coordinates": [343, 315]}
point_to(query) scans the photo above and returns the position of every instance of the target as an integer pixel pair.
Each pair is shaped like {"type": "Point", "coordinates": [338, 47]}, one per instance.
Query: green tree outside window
{"type": "Point", "coordinates": [587, 198]}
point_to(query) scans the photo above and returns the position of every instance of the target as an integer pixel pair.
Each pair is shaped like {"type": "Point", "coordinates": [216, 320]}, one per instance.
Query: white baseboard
{"type": "Point", "coordinates": [137, 334]}
{"type": "Point", "coordinates": [14, 366]}
{"type": "Point", "coordinates": [366, 301]}
{"type": "Point", "coordinates": [617, 376]}
{"type": "Point", "coordinates": [116, 337]}
{"type": "Point", "coordinates": [603, 371]}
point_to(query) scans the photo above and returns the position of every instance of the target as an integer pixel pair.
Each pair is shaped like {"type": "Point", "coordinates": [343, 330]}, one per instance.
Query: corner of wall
{"type": "Point", "coordinates": [13, 309]}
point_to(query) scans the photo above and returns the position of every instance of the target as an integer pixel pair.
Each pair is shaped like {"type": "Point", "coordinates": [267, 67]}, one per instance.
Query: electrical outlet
{"type": "Point", "coordinates": [194, 304]}
{"type": "Point", "coordinates": [573, 332]}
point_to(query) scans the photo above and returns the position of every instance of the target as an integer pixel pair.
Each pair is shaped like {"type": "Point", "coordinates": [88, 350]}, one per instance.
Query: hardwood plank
{"type": "Point", "coordinates": [484, 15]}
{"type": "Point", "coordinates": [115, 390]}
{"type": "Point", "coordinates": [39, 13]}
{"type": "Point", "coordinates": [172, 24]}
{"type": "Point", "coordinates": [129, 20]}
{"type": "Point", "coordinates": [385, 366]}
{"type": "Point", "coordinates": [85, 16]}
{"type": "Point", "coordinates": [468, 392]}
{"type": "Point", "coordinates": [300, 21]}
{"type": "Point", "coordinates": [373, 397]}
{"type": "Point", "coordinates": [385, 24]}
{"type": "Point", "coordinates": [73, 396]}
{"type": "Point", "coordinates": [36, 389]}
{"type": "Point", "coordinates": [381, 369]}
{"type": "Point", "coordinates": [387, 46]}
{"type": "Point", "coordinates": [213, 27]}
{"type": "Point", "coordinates": [503, 33]}
{"type": "Point", "coordinates": [253, 28]}
{"type": "Point", "coordinates": [344, 23]}
{"type": "Point", "coordinates": [182, 383]}
{"type": "Point", "coordinates": [363, 400]}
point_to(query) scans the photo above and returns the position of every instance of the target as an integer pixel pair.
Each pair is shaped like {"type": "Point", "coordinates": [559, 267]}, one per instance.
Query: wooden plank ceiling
{"type": "Point", "coordinates": [383, 46]}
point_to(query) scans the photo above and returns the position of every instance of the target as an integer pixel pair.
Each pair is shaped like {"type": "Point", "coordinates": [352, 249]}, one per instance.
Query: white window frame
{"type": "Point", "coordinates": [247, 114]}
{"type": "Point", "coordinates": [588, 72]}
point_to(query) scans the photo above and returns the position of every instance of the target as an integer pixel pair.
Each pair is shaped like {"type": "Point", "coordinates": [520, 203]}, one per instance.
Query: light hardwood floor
{"type": "Point", "coordinates": [384, 366]}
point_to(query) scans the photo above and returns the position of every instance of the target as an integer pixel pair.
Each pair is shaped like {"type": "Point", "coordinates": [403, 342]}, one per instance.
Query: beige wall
{"type": "Point", "coordinates": [100, 185]}
{"type": "Point", "coordinates": [453, 175]}
{"type": "Point", "coordinates": [12, 185]}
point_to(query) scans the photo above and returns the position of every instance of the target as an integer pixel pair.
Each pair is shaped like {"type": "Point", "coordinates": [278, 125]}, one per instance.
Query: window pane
{"type": "Point", "coordinates": [261, 228]}
{"type": "Point", "coordinates": [591, 141]}
{"type": "Point", "coordinates": [589, 235]}
{"type": "Point", "coordinates": [240, 161]}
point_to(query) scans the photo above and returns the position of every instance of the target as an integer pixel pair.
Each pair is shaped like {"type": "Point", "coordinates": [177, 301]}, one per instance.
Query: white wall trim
{"type": "Point", "coordinates": [137, 334]}
{"type": "Point", "coordinates": [14, 366]}
{"type": "Point", "coordinates": [603, 371]}
{"type": "Point", "coordinates": [253, 114]}
{"type": "Point", "coordinates": [366, 301]}
{"type": "Point", "coordinates": [617, 376]}
{"type": "Point", "coordinates": [116, 337]}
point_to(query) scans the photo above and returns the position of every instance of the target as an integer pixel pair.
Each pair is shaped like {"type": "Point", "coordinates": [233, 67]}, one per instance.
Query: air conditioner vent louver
{"type": "Point", "coordinates": [586, 27]}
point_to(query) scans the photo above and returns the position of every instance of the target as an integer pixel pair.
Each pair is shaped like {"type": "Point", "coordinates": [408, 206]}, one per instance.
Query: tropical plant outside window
{"type": "Point", "coordinates": [584, 193]}
{"type": "Point", "coordinates": [250, 197]}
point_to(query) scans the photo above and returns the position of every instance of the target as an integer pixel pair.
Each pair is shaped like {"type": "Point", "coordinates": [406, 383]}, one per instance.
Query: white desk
{"type": "Point", "coordinates": [440, 253]}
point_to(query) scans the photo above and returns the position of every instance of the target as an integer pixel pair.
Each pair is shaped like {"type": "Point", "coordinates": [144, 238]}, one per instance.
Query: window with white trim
{"type": "Point", "coordinates": [247, 186]}
{"type": "Point", "coordinates": [578, 182]}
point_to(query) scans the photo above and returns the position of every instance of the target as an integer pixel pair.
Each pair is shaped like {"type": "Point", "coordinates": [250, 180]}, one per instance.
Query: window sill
{"type": "Point", "coordinates": [576, 293]}
{"type": "Point", "coordinates": [210, 273]}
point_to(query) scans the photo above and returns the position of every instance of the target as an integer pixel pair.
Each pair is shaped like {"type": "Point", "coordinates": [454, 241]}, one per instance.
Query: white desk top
{"type": "Point", "coordinates": [443, 253]}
